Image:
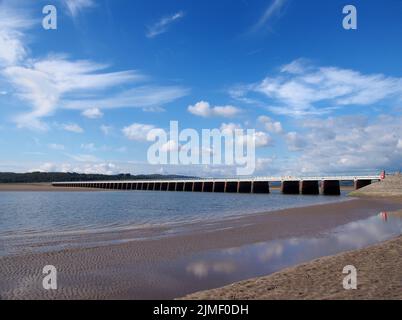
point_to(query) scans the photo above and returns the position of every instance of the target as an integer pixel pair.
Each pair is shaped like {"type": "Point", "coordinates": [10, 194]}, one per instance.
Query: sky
{"type": "Point", "coordinates": [83, 97]}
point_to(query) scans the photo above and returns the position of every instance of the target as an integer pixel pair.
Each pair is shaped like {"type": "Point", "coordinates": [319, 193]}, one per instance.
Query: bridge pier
{"type": "Point", "coordinates": [172, 186]}
{"type": "Point", "coordinates": [188, 186]}
{"type": "Point", "coordinates": [331, 187]}
{"type": "Point", "coordinates": [309, 187]}
{"type": "Point", "coordinates": [261, 187]}
{"type": "Point", "coordinates": [198, 186]}
{"type": "Point", "coordinates": [244, 187]}
{"type": "Point", "coordinates": [219, 187]}
{"type": "Point", "coordinates": [362, 183]}
{"type": "Point", "coordinates": [290, 187]}
{"type": "Point", "coordinates": [179, 186]}
{"type": "Point", "coordinates": [208, 187]}
{"type": "Point", "coordinates": [231, 187]}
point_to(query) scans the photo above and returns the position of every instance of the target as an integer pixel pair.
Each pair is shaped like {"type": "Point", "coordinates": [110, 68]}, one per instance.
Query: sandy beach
{"type": "Point", "coordinates": [156, 269]}
{"type": "Point", "coordinates": [378, 277]}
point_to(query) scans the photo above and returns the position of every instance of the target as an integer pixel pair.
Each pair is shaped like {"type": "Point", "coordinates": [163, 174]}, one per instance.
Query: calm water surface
{"type": "Point", "coordinates": [26, 217]}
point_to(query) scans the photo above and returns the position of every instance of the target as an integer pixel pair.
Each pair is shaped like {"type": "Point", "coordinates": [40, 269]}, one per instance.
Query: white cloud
{"type": "Point", "coordinates": [348, 143]}
{"type": "Point", "coordinates": [12, 38]}
{"type": "Point", "coordinates": [93, 113]}
{"type": "Point", "coordinates": [204, 109]}
{"type": "Point", "coordinates": [260, 139]}
{"type": "Point", "coordinates": [137, 131]}
{"type": "Point", "coordinates": [170, 146]}
{"type": "Point", "coordinates": [140, 97]}
{"type": "Point", "coordinates": [230, 126]}
{"type": "Point", "coordinates": [295, 141]}
{"type": "Point", "coordinates": [163, 24]}
{"type": "Point", "coordinates": [301, 89]}
{"type": "Point", "coordinates": [56, 81]}
{"type": "Point", "coordinates": [76, 6]}
{"type": "Point", "coordinates": [271, 125]}
{"type": "Point", "coordinates": [56, 146]}
{"type": "Point", "coordinates": [274, 9]}
{"type": "Point", "coordinates": [88, 168]}
{"type": "Point", "coordinates": [72, 127]}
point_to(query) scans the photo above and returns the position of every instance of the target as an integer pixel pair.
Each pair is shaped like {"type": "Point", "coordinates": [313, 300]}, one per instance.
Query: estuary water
{"type": "Point", "coordinates": [33, 215]}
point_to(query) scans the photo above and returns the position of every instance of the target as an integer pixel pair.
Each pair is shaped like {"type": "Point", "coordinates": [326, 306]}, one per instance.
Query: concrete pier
{"type": "Point", "coordinates": [208, 187]}
{"type": "Point", "coordinates": [231, 187]}
{"type": "Point", "coordinates": [309, 187]}
{"type": "Point", "coordinates": [172, 186]}
{"type": "Point", "coordinates": [219, 186]}
{"type": "Point", "coordinates": [290, 187]}
{"type": "Point", "coordinates": [330, 187]}
{"type": "Point", "coordinates": [362, 183]}
{"type": "Point", "coordinates": [261, 187]}
{"type": "Point", "coordinates": [180, 186]}
{"type": "Point", "coordinates": [245, 187]}
{"type": "Point", "coordinates": [188, 186]}
{"type": "Point", "coordinates": [198, 186]}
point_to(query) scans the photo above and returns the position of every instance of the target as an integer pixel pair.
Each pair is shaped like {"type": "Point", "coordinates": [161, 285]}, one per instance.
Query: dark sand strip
{"type": "Point", "coordinates": [148, 269]}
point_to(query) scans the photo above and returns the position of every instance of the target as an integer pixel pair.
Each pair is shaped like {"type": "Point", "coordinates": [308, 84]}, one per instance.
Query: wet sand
{"type": "Point", "coordinates": [148, 269]}
{"type": "Point", "coordinates": [379, 276]}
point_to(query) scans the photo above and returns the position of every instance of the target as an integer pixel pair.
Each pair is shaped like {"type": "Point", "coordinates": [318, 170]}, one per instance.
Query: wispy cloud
{"type": "Point", "coordinates": [76, 6]}
{"type": "Point", "coordinates": [12, 38]}
{"type": "Point", "coordinates": [57, 81]}
{"type": "Point", "coordinates": [163, 24]}
{"type": "Point", "coordinates": [301, 89]}
{"type": "Point", "coordinates": [273, 10]}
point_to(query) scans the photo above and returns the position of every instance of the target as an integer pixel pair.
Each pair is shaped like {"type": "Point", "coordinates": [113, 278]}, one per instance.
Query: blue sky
{"type": "Point", "coordinates": [82, 97]}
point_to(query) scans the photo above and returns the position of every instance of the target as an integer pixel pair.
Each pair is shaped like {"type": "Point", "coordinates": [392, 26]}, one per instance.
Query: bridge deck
{"type": "Point", "coordinates": [254, 179]}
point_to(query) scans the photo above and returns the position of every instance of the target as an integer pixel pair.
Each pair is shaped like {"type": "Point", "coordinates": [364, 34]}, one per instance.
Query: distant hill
{"type": "Point", "coordinates": [36, 177]}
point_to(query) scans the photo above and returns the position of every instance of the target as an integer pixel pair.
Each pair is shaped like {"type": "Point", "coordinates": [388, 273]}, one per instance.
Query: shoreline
{"type": "Point", "coordinates": [40, 187]}
{"type": "Point", "coordinates": [129, 270]}
{"type": "Point", "coordinates": [378, 278]}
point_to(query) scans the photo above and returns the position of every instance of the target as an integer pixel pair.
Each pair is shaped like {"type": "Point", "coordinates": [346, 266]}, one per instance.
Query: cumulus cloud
{"type": "Point", "coordinates": [72, 127]}
{"type": "Point", "coordinates": [301, 89]}
{"type": "Point", "coordinates": [270, 125]}
{"type": "Point", "coordinates": [260, 139]}
{"type": "Point", "coordinates": [138, 131]}
{"type": "Point", "coordinates": [347, 143]}
{"type": "Point", "coordinates": [204, 109]}
{"type": "Point", "coordinates": [93, 113]}
{"type": "Point", "coordinates": [163, 24]}
{"type": "Point", "coordinates": [89, 168]}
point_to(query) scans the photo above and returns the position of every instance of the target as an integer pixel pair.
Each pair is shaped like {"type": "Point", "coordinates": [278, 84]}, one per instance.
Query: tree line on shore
{"type": "Point", "coordinates": [37, 177]}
